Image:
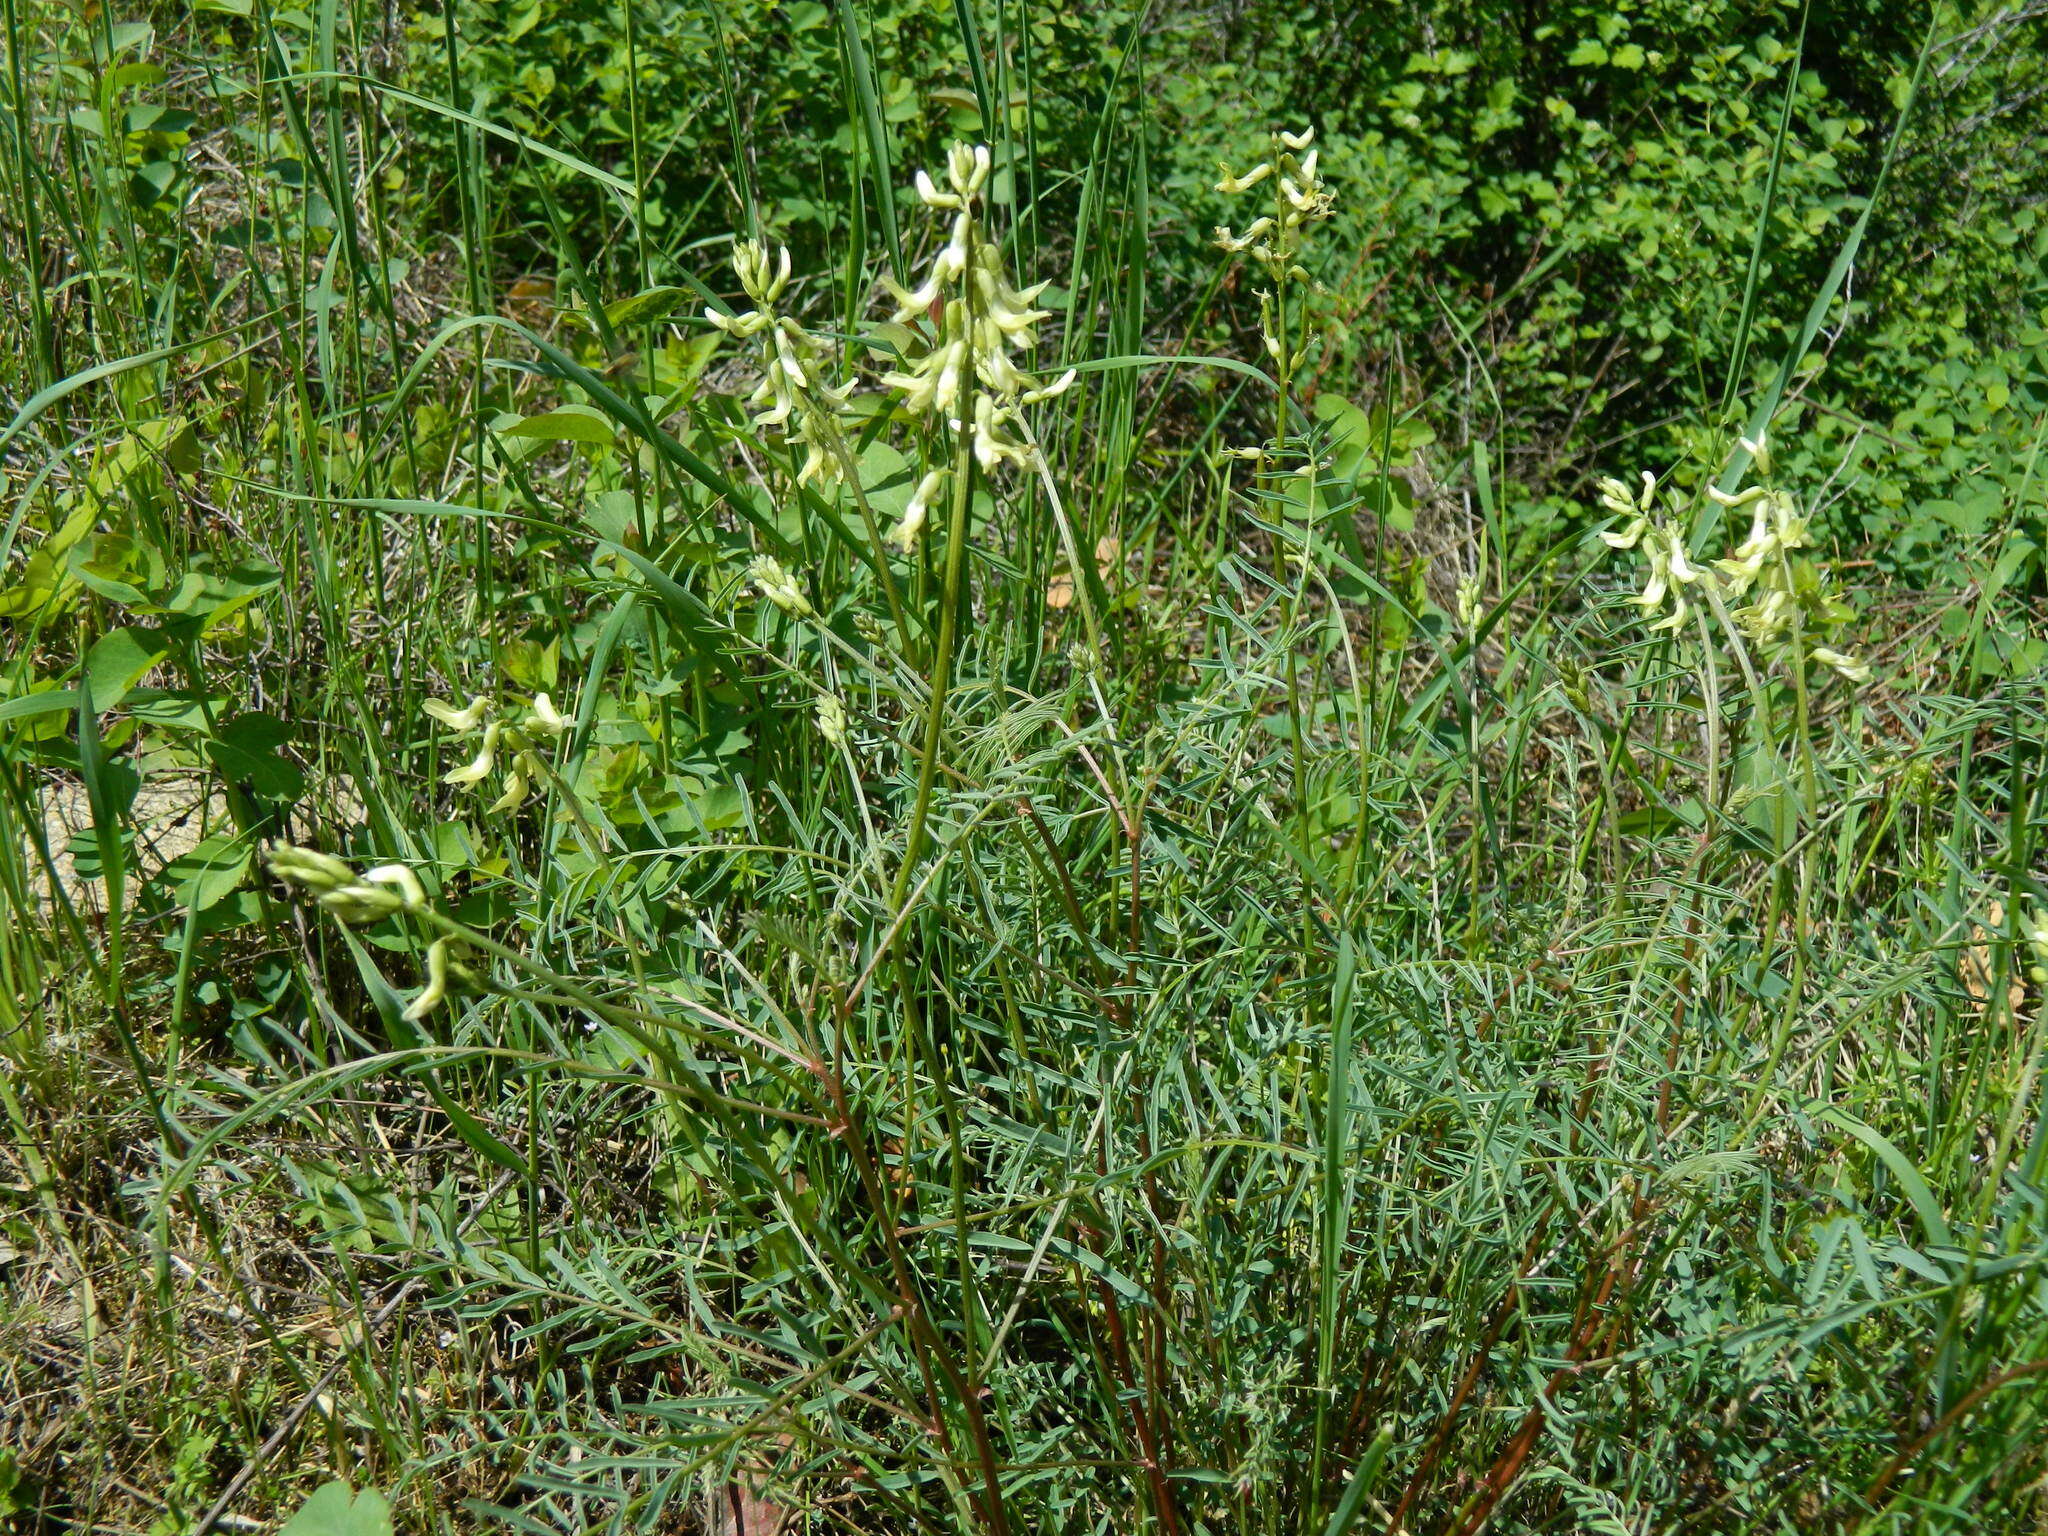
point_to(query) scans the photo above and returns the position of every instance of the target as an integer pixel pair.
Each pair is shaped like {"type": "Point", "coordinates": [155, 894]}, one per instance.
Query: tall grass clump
{"type": "Point", "coordinates": [924, 855]}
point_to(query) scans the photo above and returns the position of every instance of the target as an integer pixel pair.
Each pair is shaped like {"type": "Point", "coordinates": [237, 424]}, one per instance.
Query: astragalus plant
{"type": "Point", "coordinates": [1027, 926]}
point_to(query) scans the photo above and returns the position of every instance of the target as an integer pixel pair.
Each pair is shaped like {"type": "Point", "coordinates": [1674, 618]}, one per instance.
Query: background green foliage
{"type": "Point", "coordinates": [1547, 214]}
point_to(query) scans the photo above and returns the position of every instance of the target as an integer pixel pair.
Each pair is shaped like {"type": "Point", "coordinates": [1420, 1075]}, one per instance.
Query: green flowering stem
{"type": "Point", "coordinates": [850, 473]}
{"type": "Point", "coordinates": [942, 662]}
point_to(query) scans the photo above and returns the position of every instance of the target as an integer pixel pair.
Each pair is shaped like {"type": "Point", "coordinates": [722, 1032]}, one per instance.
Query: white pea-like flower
{"type": "Point", "coordinates": [1842, 663]}
{"type": "Point", "coordinates": [1232, 185]}
{"type": "Point", "coordinates": [436, 990]}
{"type": "Point", "coordinates": [514, 793]}
{"type": "Point", "coordinates": [466, 719]}
{"type": "Point", "coordinates": [402, 877]}
{"type": "Point", "coordinates": [477, 767]}
{"type": "Point", "coordinates": [905, 534]}
{"type": "Point", "coordinates": [547, 717]}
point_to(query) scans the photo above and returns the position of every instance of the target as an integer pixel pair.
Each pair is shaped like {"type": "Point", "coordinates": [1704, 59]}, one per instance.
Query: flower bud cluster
{"type": "Point", "coordinates": [984, 326]}
{"type": "Point", "coordinates": [831, 719]}
{"type": "Point", "coordinates": [774, 582]}
{"type": "Point", "coordinates": [1782, 593]}
{"type": "Point", "coordinates": [516, 740]}
{"type": "Point", "coordinates": [794, 395]}
{"type": "Point", "coordinates": [373, 895]}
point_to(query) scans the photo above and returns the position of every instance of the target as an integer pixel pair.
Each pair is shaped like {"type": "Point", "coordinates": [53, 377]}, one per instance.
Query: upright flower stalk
{"type": "Point", "coordinates": [1275, 241]}
{"type": "Point", "coordinates": [969, 382]}
{"type": "Point", "coordinates": [796, 394]}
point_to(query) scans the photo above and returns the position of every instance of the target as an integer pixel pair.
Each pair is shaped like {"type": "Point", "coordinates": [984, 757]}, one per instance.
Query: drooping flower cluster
{"type": "Point", "coordinates": [794, 395]}
{"type": "Point", "coordinates": [970, 376]}
{"type": "Point", "coordinates": [1784, 598]}
{"type": "Point", "coordinates": [517, 740]}
{"type": "Point", "coordinates": [373, 895]}
{"type": "Point", "coordinates": [354, 899]}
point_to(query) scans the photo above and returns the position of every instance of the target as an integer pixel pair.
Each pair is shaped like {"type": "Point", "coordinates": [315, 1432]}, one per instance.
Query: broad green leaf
{"type": "Point", "coordinates": [208, 873]}
{"type": "Point", "coordinates": [335, 1509]}
{"type": "Point", "coordinates": [118, 660]}
{"type": "Point", "coordinates": [245, 750]}
{"type": "Point", "coordinates": [567, 424]}
{"type": "Point", "coordinates": [653, 304]}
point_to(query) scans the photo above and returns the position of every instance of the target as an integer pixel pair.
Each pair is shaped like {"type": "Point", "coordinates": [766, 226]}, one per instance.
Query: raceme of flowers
{"type": "Point", "coordinates": [1275, 242]}
{"type": "Point", "coordinates": [515, 742]}
{"type": "Point", "coordinates": [794, 394]}
{"type": "Point", "coordinates": [1775, 593]}
{"type": "Point", "coordinates": [971, 379]}
{"type": "Point", "coordinates": [985, 327]}
{"type": "Point", "coordinates": [1300, 199]}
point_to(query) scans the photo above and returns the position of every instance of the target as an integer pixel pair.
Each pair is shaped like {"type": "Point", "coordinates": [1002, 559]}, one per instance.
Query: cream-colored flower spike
{"type": "Point", "coordinates": [794, 394]}
{"type": "Point", "coordinates": [517, 739]}
{"type": "Point", "coordinates": [986, 328]}
{"type": "Point", "coordinates": [1277, 239]}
